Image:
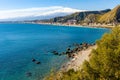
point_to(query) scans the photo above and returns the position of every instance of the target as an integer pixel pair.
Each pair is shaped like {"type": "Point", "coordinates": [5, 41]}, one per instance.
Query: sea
{"type": "Point", "coordinates": [20, 43]}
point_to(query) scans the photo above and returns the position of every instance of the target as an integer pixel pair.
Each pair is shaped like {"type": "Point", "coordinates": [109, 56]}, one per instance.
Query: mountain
{"type": "Point", "coordinates": [37, 13]}
{"type": "Point", "coordinates": [104, 16]}
{"type": "Point", "coordinates": [112, 16]}
{"type": "Point", "coordinates": [79, 16]}
{"type": "Point", "coordinates": [36, 17]}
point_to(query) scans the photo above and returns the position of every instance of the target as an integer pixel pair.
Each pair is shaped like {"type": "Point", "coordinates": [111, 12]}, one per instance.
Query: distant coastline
{"type": "Point", "coordinates": [74, 25]}
{"type": "Point", "coordinates": [89, 26]}
{"type": "Point", "coordinates": [60, 24]}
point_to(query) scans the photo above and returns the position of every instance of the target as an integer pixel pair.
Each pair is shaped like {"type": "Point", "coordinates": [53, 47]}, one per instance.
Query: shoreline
{"type": "Point", "coordinates": [82, 26]}
{"type": "Point", "coordinates": [72, 25]}
{"type": "Point", "coordinates": [78, 60]}
{"type": "Point", "coordinates": [75, 63]}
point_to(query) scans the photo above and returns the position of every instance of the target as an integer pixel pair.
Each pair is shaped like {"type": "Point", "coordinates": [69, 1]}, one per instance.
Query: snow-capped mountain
{"type": "Point", "coordinates": [35, 13]}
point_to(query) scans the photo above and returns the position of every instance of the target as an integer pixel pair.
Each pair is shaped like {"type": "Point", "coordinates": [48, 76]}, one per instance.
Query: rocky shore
{"type": "Point", "coordinates": [78, 60]}
{"type": "Point", "coordinates": [75, 63]}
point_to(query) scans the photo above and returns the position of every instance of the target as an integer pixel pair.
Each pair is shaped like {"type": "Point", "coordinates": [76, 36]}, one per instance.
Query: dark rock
{"type": "Point", "coordinates": [67, 52]}
{"type": "Point", "coordinates": [80, 43]}
{"type": "Point", "coordinates": [71, 51]}
{"type": "Point", "coordinates": [93, 43]}
{"type": "Point", "coordinates": [33, 60]}
{"type": "Point", "coordinates": [73, 55]}
{"type": "Point", "coordinates": [55, 52]}
{"type": "Point", "coordinates": [68, 49]}
{"type": "Point", "coordinates": [38, 62]}
{"type": "Point", "coordinates": [75, 49]}
{"type": "Point", "coordinates": [28, 74]}
{"type": "Point", "coordinates": [60, 54]}
{"type": "Point", "coordinates": [69, 55]}
{"type": "Point", "coordinates": [79, 49]}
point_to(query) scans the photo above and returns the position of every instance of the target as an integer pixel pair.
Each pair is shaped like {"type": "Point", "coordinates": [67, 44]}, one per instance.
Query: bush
{"type": "Point", "coordinates": [104, 62]}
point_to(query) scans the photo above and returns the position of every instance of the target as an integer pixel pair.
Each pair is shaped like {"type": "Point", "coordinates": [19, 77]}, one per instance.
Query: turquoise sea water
{"type": "Point", "coordinates": [19, 43]}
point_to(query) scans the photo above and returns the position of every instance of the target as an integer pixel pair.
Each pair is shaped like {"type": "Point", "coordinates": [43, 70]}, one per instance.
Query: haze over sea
{"type": "Point", "coordinates": [19, 43]}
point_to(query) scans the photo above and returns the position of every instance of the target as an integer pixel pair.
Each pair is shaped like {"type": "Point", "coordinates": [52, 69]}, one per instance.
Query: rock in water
{"type": "Point", "coordinates": [33, 60]}
{"type": "Point", "coordinates": [28, 74]}
{"type": "Point", "coordinates": [55, 52]}
{"type": "Point", "coordinates": [38, 62]}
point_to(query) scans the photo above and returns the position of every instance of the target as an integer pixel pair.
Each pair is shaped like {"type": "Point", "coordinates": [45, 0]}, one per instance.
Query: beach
{"type": "Point", "coordinates": [75, 63]}
{"type": "Point", "coordinates": [78, 60]}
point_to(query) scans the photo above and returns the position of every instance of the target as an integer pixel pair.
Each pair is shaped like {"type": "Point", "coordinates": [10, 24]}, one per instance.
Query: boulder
{"type": "Point", "coordinates": [28, 74]}
{"type": "Point", "coordinates": [38, 62]}
{"type": "Point", "coordinates": [55, 52]}
{"type": "Point", "coordinates": [33, 60]}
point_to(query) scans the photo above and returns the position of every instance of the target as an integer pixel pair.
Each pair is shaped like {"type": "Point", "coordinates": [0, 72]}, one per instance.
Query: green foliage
{"type": "Point", "coordinates": [79, 16]}
{"type": "Point", "coordinates": [104, 16]}
{"type": "Point", "coordinates": [105, 60]}
{"type": "Point", "coordinates": [92, 18]}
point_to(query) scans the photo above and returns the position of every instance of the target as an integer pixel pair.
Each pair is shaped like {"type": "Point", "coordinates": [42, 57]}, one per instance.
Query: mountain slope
{"type": "Point", "coordinates": [112, 16]}
{"type": "Point", "coordinates": [79, 16]}
{"type": "Point", "coordinates": [91, 18]}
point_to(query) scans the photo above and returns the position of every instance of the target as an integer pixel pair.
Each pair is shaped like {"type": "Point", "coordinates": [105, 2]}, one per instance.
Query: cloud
{"type": "Point", "coordinates": [40, 11]}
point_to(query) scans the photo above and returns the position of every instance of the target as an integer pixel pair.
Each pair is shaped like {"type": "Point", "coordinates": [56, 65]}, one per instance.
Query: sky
{"type": "Point", "coordinates": [22, 8]}
{"type": "Point", "coordinates": [78, 4]}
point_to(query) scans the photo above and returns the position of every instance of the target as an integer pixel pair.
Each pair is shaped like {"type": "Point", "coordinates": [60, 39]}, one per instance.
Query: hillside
{"type": "Point", "coordinates": [112, 16]}
{"type": "Point", "coordinates": [109, 17]}
{"type": "Point", "coordinates": [91, 18]}
{"type": "Point", "coordinates": [79, 16]}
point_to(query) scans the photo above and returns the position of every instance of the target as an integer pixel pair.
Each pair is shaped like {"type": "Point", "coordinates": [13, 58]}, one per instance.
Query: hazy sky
{"type": "Point", "coordinates": [78, 4]}
{"type": "Point", "coordinates": [26, 8]}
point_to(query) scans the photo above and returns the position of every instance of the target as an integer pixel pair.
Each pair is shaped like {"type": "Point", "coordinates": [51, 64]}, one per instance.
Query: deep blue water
{"type": "Point", "coordinates": [19, 43]}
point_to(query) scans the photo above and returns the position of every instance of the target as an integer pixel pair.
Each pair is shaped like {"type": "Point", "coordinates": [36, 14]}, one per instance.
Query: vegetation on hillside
{"type": "Point", "coordinates": [92, 18]}
{"type": "Point", "coordinates": [104, 17]}
{"type": "Point", "coordinates": [112, 16]}
{"type": "Point", "coordinates": [104, 62]}
{"type": "Point", "coordinates": [79, 16]}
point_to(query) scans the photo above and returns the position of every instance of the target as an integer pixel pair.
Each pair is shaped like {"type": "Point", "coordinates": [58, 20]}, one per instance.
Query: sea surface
{"type": "Point", "coordinates": [19, 43]}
